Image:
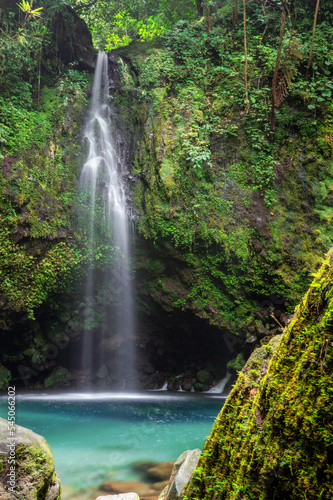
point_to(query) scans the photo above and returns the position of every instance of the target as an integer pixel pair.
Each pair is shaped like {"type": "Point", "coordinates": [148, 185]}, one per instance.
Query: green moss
{"type": "Point", "coordinates": [236, 363]}
{"type": "Point", "coordinates": [59, 378]}
{"type": "Point", "coordinates": [251, 208]}
{"type": "Point", "coordinates": [273, 437]}
{"type": "Point", "coordinates": [37, 191]}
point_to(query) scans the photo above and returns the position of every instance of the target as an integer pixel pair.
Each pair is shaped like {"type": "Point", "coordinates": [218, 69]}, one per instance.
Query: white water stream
{"type": "Point", "coordinates": [102, 175]}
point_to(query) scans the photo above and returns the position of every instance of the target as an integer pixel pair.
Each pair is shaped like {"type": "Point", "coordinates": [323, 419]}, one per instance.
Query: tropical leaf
{"type": "Point", "coordinates": [26, 7]}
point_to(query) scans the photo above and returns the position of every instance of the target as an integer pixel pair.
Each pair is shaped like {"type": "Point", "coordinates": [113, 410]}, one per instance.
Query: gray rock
{"type": "Point", "coordinates": [181, 473]}
{"type": "Point", "coordinates": [33, 474]}
{"type": "Point", "coordinates": [123, 496]}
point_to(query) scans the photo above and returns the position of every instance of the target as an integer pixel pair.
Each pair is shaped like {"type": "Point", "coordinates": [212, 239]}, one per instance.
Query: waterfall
{"type": "Point", "coordinates": [102, 180]}
{"type": "Point", "coordinates": [219, 387]}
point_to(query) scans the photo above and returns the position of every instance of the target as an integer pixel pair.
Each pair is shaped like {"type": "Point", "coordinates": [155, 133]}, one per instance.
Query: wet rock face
{"type": "Point", "coordinates": [74, 39]}
{"type": "Point", "coordinates": [34, 476]}
{"type": "Point", "coordinates": [70, 35]}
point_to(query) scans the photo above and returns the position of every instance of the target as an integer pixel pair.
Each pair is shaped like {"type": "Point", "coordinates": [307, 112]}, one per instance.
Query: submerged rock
{"type": "Point", "coordinates": [123, 496]}
{"type": "Point", "coordinates": [27, 468]}
{"type": "Point", "coordinates": [160, 472]}
{"type": "Point", "coordinates": [121, 487]}
{"type": "Point", "coordinates": [144, 465]}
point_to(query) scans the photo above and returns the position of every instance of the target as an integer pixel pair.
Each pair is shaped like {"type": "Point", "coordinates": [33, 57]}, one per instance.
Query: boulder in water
{"type": "Point", "coordinates": [181, 473]}
{"type": "Point", "coordinates": [27, 466]}
{"type": "Point", "coordinates": [144, 465]}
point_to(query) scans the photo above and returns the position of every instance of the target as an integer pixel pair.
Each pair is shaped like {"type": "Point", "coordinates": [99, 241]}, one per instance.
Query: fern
{"type": "Point", "coordinates": [287, 71]}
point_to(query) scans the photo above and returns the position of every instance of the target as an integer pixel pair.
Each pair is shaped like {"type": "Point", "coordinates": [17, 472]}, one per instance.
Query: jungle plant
{"type": "Point", "coordinates": [313, 35]}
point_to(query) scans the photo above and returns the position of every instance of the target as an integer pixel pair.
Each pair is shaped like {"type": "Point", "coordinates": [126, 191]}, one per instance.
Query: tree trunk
{"type": "Point", "coordinates": [200, 7]}
{"type": "Point", "coordinates": [313, 35]}
{"type": "Point", "coordinates": [234, 11]}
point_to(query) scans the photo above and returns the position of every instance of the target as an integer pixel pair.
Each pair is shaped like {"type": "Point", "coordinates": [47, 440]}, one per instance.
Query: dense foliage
{"type": "Point", "coordinates": [41, 109]}
{"type": "Point", "coordinates": [235, 190]}
{"type": "Point", "coordinates": [114, 24]}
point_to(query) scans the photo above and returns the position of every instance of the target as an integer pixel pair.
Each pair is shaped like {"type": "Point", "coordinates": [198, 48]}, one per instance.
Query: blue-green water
{"type": "Point", "coordinates": [94, 436]}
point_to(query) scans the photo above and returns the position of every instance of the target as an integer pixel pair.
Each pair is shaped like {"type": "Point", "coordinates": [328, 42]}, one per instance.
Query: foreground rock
{"type": "Point", "coordinates": [35, 476]}
{"type": "Point", "coordinates": [181, 473]}
{"type": "Point", "coordinates": [273, 437]}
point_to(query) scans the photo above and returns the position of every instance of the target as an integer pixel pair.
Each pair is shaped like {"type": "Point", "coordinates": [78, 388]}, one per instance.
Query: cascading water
{"type": "Point", "coordinates": [103, 180]}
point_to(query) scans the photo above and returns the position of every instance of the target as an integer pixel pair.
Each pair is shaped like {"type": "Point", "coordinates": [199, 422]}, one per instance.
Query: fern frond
{"type": "Point", "coordinates": [287, 71]}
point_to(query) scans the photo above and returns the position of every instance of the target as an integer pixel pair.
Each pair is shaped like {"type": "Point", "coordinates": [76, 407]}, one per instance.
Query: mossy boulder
{"type": "Point", "coordinates": [60, 377]}
{"type": "Point", "coordinates": [34, 476]}
{"type": "Point", "coordinates": [273, 437]}
{"type": "Point", "coordinates": [205, 377]}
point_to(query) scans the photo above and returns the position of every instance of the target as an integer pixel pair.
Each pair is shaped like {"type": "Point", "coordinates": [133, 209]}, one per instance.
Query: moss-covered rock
{"type": "Point", "coordinates": [60, 377]}
{"type": "Point", "coordinates": [205, 377]}
{"type": "Point", "coordinates": [236, 363]}
{"type": "Point", "coordinates": [273, 437]}
{"type": "Point", "coordinates": [26, 469]}
{"type": "Point", "coordinates": [5, 377]}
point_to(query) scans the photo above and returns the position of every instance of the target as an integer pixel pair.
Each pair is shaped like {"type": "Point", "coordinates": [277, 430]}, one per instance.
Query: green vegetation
{"type": "Point", "coordinates": [273, 437]}
{"type": "Point", "coordinates": [37, 186]}
{"type": "Point", "coordinates": [41, 112]}
{"type": "Point", "coordinates": [115, 24]}
{"type": "Point", "coordinates": [236, 194]}
{"type": "Point", "coordinates": [231, 146]}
